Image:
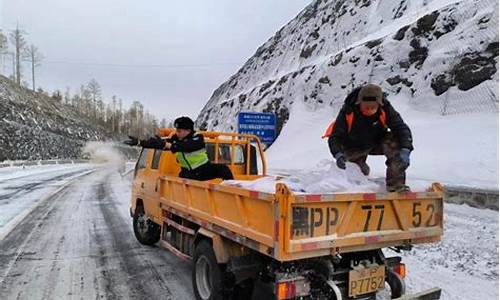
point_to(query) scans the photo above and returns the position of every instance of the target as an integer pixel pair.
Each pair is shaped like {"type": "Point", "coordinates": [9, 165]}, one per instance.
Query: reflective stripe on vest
{"type": "Point", "coordinates": [349, 120]}
{"type": "Point", "coordinates": [192, 160]}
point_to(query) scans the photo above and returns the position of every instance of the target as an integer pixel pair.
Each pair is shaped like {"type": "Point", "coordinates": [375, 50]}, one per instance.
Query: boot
{"type": "Point", "coordinates": [398, 188]}
{"type": "Point", "coordinates": [365, 169]}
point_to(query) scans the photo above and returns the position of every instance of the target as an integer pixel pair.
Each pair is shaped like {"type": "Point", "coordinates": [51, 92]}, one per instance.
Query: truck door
{"type": "Point", "coordinates": [151, 187]}
{"type": "Point", "coordinates": [139, 176]}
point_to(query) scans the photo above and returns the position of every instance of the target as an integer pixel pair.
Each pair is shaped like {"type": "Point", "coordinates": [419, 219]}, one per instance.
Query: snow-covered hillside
{"type": "Point", "coordinates": [436, 59]}
{"type": "Point", "coordinates": [33, 126]}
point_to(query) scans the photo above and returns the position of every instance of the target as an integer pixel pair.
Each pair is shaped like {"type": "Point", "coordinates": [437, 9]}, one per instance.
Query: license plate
{"type": "Point", "coordinates": [368, 280]}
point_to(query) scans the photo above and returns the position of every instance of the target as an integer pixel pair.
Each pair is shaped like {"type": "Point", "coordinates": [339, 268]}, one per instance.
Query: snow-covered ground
{"type": "Point", "coordinates": [465, 263]}
{"type": "Point", "coordinates": [22, 188]}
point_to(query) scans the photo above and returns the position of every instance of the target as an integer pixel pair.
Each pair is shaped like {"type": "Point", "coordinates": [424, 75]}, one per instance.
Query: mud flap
{"type": "Point", "coordinates": [430, 294]}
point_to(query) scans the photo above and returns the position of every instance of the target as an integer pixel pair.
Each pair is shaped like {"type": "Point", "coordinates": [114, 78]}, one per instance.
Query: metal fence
{"type": "Point", "coordinates": [25, 163]}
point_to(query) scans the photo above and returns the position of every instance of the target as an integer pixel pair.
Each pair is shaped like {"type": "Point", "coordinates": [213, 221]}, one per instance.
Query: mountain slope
{"type": "Point", "coordinates": [33, 126]}
{"type": "Point", "coordinates": [437, 60]}
{"type": "Point", "coordinates": [418, 48]}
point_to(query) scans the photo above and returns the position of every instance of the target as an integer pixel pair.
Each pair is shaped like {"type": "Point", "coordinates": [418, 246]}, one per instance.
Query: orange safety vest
{"type": "Point", "coordinates": [349, 119]}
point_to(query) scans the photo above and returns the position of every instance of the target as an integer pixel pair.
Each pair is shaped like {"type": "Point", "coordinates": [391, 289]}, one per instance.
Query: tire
{"type": "Point", "coordinates": [397, 284]}
{"type": "Point", "coordinates": [207, 275]}
{"type": "Point", "coordinates": [146, 232]}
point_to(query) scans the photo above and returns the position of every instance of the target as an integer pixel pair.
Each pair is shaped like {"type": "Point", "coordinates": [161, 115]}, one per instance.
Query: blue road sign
{"type": "Point", "coordinates": [262, 125]}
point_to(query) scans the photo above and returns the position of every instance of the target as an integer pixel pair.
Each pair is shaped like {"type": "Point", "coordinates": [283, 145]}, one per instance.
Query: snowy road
{"type": "Point", "coordinates": [21, 188]}
{"type": "Point", "coordinates": [78, 244]}
{"type": "Point", "coordinates": [465, 263]}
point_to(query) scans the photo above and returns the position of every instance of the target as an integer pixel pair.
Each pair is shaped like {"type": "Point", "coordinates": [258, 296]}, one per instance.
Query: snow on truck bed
{"type": "Point", "coordinates": [326, 178]}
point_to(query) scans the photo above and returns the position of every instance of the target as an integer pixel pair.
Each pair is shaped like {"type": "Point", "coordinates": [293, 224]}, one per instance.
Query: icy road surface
{"type": "Point", "coordinates": [465, 263]}
{"type": "Point", "coordinates": [79, 244]}
{"type": "Point", "coordinates": [22, 187]}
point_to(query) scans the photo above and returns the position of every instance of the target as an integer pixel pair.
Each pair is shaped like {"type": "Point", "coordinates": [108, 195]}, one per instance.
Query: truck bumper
{"type": "Point", "coordinates": [430, 294]}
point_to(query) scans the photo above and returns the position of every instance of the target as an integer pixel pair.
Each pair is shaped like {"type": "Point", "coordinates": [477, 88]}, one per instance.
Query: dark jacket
{"type": "Point", "coordinates": [190, 143]}
{"type": "Point", "coordinates": [367, 132]}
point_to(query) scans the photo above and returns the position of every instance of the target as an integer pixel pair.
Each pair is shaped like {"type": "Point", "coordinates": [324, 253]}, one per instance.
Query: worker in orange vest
{"type": "Point", "coordinates": [367, 124]}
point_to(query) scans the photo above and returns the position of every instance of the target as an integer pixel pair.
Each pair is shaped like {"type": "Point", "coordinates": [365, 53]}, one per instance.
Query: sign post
{"type": "Point", "coordinates": [262, 125]}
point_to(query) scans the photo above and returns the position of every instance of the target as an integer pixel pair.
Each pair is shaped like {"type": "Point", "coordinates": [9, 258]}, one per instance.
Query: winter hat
{"type": "Point", "coordinates": [370, 92]}
{"type": "Point", "coordinates": [184, 123]}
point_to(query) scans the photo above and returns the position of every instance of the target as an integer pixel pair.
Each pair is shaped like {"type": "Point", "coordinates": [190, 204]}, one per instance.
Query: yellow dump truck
{"type": "Point", "coordinates": [280, 245]}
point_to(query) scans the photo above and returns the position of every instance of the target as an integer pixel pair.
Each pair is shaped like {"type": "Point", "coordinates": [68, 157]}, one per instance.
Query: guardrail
{"type": "Point", "coordinates": [26, 163]}
{"type": "Point", "coordinates": [480, 198]}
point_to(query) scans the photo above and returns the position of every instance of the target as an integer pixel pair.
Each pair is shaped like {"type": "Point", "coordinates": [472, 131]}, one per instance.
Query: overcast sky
{"type": "Point", "coordinates": [170, 55]}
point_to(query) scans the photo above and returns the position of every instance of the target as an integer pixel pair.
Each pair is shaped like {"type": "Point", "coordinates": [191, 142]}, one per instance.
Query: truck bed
{"type": "Point", "coordinates": [286, 226]}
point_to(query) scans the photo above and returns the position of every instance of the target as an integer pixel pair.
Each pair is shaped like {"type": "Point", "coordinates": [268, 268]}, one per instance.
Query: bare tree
{"type": "Point", "coordinates": [113, 115]}
{"type": "Point", "coordinates": [34, 57]}
{"type": "Point", "coordinates": [120, 116]}
{"type": "Point", "coordinates": [135, 119]}
{"type": "Point", "coordinates": [3, 49]}
{"type": "Point", "coordinates": [85, 101]}
{"type": "Point", "coordinates": [57, 96]}
{"type": "Point", "coordinates": [67, 96]}
{"type": "Point", "coordinates": [101, 112]}
{"type": "Point", "coordinates": [95, 92]}
{"type": "Point", "coordinates": [109, 118]}
{"type": "Point", "coordinates": [76, 102]}
{"type": "Point", "coordinates": [19, 42]}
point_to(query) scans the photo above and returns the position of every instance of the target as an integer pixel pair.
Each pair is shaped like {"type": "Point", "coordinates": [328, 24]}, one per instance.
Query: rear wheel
{"type": "Point", "coordinates": [397, 284]}
{"type": "Point", "coordinates": [146, 232]}
{"type": "Point", "coordinates": [207, 275]}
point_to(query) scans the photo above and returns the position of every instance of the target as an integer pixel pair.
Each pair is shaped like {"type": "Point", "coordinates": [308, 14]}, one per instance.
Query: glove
{"type": "Point", "coordinates": [132, 141]}
{"type": "Point", "coordinates": [339, 157]}
{"type": "Point", "coordinates": [404, 154]}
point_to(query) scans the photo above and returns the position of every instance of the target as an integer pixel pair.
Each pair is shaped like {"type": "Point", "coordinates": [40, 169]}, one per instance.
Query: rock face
{"type": "Point", "coordinates": [424, 50]}
{"type": "Point", "coordinates": [32, 126]}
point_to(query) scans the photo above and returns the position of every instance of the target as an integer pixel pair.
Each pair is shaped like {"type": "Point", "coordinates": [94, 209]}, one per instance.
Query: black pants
{"type": "Point", "coordinates": [389, 146]}
{"type": "Point", "coordinates": [207, 171]}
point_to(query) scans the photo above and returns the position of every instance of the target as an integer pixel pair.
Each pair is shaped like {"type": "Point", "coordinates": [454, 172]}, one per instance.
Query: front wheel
{"type": "Point", "coordinates": [207, 275]}
{"type": "Point", "coordinates": [146, 232]}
